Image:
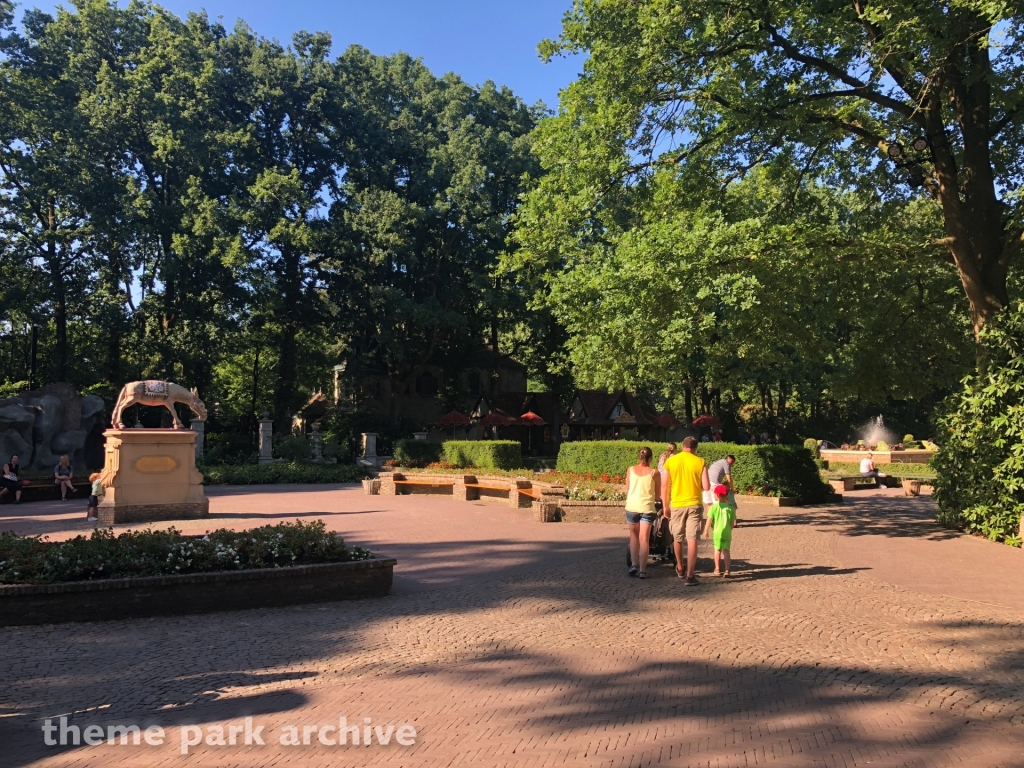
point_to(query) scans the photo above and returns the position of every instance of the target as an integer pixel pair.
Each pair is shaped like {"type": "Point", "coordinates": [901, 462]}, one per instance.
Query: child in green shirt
{"type": "Point", "coordinates": [721, 519]}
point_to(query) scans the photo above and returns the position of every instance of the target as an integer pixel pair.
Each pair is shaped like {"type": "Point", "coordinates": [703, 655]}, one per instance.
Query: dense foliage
{"type": "Point", "coordinates": [459, 454]}
{"type": "Point", "coordinates": [417, 453]}
{"type": "Point", "coordinates": [34, 560]}
{"type": "Point", "coordinates": [188, 202]}
{"type": "Point", "coordinates": [776, 470]}
{"type": "Point", "coordinates": [281, 473]}
{"type": "Point", "coordinates": [720, 221]}
{"type": "Point", "coordinates": [980, 463]}
{"type": "Point", "coordinates": [484, 454]}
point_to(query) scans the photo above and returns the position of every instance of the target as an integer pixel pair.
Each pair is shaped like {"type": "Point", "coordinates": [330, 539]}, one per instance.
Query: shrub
{"type": "Point", "coordinates": [485, 454]}
{"type": "Point", "coordinates": [882, 446]}
{"type": "Point", "coordinates": [980, 485]}
{"type": "Point", "coordinates": [602, 457]}
{"type": "Point", "coordinates": [777, 469]}
{"type": "Point", "coordinates": [417, 453]}
{"type": "Point", "coordinates": [813, 446]}
{"type": "Point", "coordinates": [908, 439]}
{"type": "Point", "coordinates": [292, 447]}
{"type": "Point", "coordinates": [33, 560]}
{"type": "Point", "coordinates": [281, 472]}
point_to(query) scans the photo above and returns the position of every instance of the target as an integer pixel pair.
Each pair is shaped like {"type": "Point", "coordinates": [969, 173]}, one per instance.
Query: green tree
{"type": "Point", "coordinates": [432, 179]}
{"type": "Point", "coordinates": [711, 90]}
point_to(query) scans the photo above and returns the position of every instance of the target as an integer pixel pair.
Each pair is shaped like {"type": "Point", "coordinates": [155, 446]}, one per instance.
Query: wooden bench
{"type": "Point", "coordinates": [45, 489]}
{"type": "Point", "coordinates": [482, 487]}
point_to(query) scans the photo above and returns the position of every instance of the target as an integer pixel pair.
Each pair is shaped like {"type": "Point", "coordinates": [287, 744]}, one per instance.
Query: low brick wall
{"type": "Point", "coordinates": [592, 511]}
{"type": "Point", "coordinates": [111, 599]}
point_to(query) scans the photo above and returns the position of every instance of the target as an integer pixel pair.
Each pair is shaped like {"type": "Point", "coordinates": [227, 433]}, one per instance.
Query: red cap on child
{"type": "Point", "coordinates": [721, 490]}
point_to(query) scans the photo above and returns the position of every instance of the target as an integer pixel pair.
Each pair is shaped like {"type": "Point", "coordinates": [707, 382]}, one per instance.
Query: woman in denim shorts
{"type": "Point", "coordinates": [643, 488]}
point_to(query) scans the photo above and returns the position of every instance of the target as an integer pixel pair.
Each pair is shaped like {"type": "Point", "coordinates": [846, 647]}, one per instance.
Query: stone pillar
{"type": "Point", "coordinates": [370, 446]}
{"type": "Point", "coordinates": [199, 427]}
{"type": "Point", "coordinates": [513, 493]}
{"type": "Point", "coordinates": [266, 438]}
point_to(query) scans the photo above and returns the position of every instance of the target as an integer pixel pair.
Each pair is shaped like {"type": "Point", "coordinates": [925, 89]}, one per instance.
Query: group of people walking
{"type": "Point", "coordinates": [695, 499]}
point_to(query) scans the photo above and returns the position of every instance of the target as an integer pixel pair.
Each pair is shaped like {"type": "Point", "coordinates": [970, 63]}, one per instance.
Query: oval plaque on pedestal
{"type": "Point", "coordinates": [155, 464]}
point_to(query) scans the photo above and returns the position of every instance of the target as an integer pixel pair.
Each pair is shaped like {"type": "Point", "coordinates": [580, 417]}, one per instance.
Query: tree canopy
{"type": "Point", "coordinates": [185, 201]}
{"type": "Point", "coordinates": [839, 91]}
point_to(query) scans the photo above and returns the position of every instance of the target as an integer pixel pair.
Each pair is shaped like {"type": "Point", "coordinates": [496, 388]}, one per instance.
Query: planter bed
{"type": "Point", "coordinates": [110, 599]}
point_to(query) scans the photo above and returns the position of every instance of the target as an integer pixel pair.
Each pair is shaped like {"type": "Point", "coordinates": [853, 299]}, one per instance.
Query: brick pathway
{"type": "Point", "coordinates": [513, 643]}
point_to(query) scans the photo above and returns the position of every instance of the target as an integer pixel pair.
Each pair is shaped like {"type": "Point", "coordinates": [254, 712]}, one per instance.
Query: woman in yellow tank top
{"type": "Point", "coordinates": [643, 487]}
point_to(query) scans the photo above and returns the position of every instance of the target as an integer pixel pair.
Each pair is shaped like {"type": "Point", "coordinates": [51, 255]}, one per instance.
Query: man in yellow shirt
{"type": "Point", "coordinates": [681, 499]}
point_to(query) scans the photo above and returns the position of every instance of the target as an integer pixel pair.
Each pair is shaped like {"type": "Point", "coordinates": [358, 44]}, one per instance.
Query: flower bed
{"type": "Point", "coordinates": [34, 560]}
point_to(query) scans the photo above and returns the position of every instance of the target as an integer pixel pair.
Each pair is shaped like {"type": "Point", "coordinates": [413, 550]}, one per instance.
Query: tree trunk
{"type": "Point", "coordinates": [255, 396]}
{"type": "Point", "coordinates": [287, 361]}
{"type": "Point", "coordinates": [689, 403]}
{"type": "Point", "coordinates": [58, 294]}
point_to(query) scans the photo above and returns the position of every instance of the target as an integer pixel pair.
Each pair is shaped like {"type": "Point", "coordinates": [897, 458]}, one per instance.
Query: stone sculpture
{"type": "Point", "coordinates": [157, 393]}
{"type": "Point", "coordinates": [42, 425]}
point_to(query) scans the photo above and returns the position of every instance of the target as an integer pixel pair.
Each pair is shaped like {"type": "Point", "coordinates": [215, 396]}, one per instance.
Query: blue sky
{"type": "Point", "coordinates": [479, 40]}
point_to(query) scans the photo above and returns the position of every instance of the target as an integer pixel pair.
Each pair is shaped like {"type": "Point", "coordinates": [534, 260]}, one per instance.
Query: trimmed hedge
{"type": "Point", "coordinates": [417, 453]}
{"type": "Point", "coordinates": [785, 470]}
{"type": "Point", "coordinates": [281, 472]}
{"type": "Point", "coordinates": [484, 454]}
{"type": "Point", "coordinates": [847, 468]}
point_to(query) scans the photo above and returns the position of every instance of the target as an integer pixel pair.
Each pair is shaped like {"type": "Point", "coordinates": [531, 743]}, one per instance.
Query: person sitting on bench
{"type": "Point", "coordinates": [867, 469]}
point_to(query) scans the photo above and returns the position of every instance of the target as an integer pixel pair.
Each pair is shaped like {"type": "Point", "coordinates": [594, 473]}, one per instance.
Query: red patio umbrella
{"type": "Point", "coordinates": [454, 419]}
{"type": "Point", "coordinates": [666, 420]}
{"type": "Point", "coordinates": [706, 421]}
{"type": "Point", "coordinates": [531, 419]}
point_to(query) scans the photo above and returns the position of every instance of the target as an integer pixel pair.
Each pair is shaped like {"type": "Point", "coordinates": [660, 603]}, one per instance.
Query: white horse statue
{"type": "Point", "coordinates": [157, 393]}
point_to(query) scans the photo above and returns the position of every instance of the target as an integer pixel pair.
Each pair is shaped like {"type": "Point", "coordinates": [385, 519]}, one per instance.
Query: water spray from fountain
{"type": "Point", "coordinates": [875, 432]}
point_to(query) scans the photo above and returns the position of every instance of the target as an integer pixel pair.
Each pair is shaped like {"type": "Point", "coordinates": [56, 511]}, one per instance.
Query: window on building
{"type": "Point", "coordinates": [617, 411]}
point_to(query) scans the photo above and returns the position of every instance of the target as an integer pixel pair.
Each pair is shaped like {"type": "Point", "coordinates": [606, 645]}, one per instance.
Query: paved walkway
{"type": "Point", "coordinates": [850, 635]}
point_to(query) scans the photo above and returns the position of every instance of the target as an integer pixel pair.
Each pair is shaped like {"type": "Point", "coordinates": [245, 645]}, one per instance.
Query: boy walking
{"type": "Point", "coordinates": [721, 519]}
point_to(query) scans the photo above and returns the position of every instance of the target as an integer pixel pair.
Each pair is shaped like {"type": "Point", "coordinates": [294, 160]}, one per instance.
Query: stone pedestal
{"type": "Point", "coordinates": [149, 475]}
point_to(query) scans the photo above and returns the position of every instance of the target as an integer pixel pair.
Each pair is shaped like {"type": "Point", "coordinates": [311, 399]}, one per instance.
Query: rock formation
{"type": "Point", "coordinates": [42, 424]}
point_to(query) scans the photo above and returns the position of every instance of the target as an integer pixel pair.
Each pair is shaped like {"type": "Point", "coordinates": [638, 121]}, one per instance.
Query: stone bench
{"type": "Point", "coordinates": [859, 482]}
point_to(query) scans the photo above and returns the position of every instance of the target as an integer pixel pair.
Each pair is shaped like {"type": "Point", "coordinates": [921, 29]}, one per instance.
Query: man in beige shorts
{"type": "Point", "coordinates": [681, 499]}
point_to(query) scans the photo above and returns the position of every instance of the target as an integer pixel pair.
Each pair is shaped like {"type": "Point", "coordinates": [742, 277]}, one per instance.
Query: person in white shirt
{"type": "Point", "coordinates": [867, 469]}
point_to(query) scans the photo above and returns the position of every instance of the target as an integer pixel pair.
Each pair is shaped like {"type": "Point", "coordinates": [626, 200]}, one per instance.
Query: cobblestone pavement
{"type": "Point", "coordinates": [514, 643]}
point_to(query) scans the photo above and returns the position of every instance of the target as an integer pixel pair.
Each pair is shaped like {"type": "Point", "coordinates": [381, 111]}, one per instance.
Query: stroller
{"type": "Point", "coordinates": [660, 545]}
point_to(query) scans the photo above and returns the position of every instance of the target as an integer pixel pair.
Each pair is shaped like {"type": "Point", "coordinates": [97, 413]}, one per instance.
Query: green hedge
{"type": "Point", "coordinates": [485, 454]}
{"type": "Point", "coordinates": [785, 470]}
{"type": "Point", "coordinates": [281, 472]}
{"type": "Point", "coordinates": [847, 468]}
{"type": "Point", "coordinates": [417, 453]}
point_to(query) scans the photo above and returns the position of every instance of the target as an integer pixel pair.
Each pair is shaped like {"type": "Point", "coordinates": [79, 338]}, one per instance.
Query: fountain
{"type": "Point", "coordinates": [875, 432]}
{"type": "Point", "coordinates": [882, 442]}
